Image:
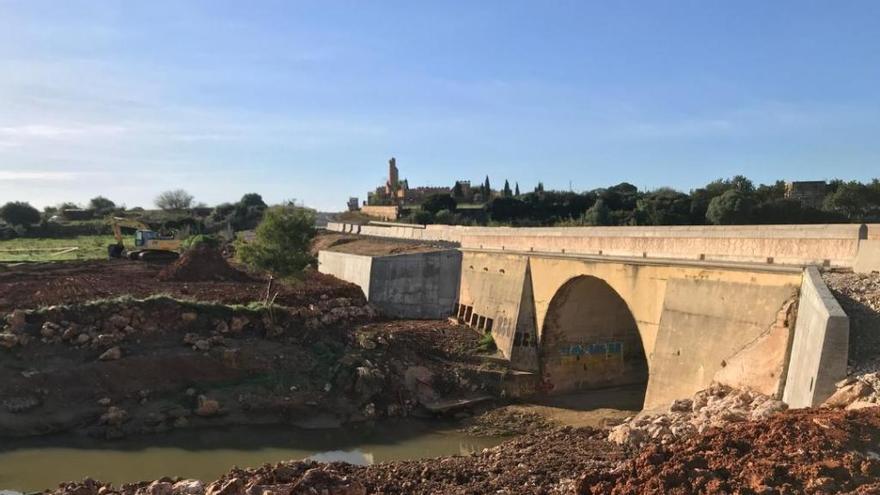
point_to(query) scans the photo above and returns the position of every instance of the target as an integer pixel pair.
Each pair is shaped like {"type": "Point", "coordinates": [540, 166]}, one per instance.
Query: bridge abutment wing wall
{"type": "Point", "coordinates": [821, 345]}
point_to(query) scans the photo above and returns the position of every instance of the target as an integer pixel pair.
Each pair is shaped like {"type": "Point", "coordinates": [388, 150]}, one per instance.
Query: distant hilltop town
{"type": "Point", "coordinates": [397, 192]}
{"type": "Point", "coordinates": [723, 201]}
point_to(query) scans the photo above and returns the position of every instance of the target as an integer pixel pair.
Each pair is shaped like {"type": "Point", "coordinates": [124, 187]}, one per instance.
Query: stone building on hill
{"type": "Point", "coordinates": [398, 192]}
{"type": "Point", "coordinates": [809, 193]}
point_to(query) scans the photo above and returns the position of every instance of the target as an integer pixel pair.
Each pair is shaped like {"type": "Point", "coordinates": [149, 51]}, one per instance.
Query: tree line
{"type": "Point", "coordinates": [729, 201]}
{"type": "Point", "coordinates": [175, 209]}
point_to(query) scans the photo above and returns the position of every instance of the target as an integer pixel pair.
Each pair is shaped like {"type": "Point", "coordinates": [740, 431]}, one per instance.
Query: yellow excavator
{"type": "Point", "coordinates": [149, 245]}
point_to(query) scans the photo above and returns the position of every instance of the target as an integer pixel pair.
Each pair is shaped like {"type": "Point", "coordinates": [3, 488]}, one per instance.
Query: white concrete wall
{"type": "Point", "coordinates": [349, 267]}
{"type": "Point", "coordinates": [820, 346]}
{"type": "Point", "coordinates": [416, 285]}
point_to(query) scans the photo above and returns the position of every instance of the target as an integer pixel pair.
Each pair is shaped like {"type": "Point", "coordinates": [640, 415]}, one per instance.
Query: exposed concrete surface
{"type": "Point", "coordinates": [690, 318]}
{"type": "Point", "coordinates": [348, 267]}
{"type": "Point", "coordinates": [415, 285]}
{"type": "Point", "coordinates": [820, 347]}
{"type": "Point", "coordinates": [820, 244]}
{"type": "Point", "coordinates": [702, 314]}
{"type": "Point", "coordinates": [868, 258]}
{"type": "Point", "coordinates": [418, 285]}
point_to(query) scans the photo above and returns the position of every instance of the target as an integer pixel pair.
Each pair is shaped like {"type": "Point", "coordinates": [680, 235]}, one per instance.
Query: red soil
{"type": "Point", "coordinates": [33, 285]}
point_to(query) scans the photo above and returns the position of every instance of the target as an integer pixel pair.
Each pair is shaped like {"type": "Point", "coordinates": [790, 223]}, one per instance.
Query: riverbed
{"type": "Point", "coordinates": [36, 464]}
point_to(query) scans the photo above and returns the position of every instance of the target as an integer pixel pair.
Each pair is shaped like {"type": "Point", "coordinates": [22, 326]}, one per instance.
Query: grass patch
{"type": "Point", "coordinates": [87, 247]}
{"type": "Point", "coordinates": [487, 343]}
{"type": "Point", "coordinates": [215, 308]}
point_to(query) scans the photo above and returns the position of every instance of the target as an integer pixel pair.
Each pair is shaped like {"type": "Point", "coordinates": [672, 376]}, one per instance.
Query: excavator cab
{"type": "Point", "coordinates": [149, 245]}
{"type": "Point", "coordinates": [142, 237]}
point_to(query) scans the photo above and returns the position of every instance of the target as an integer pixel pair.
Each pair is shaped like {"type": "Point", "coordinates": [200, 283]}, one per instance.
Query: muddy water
{"type": "Point", "coordinates": [33, 465]}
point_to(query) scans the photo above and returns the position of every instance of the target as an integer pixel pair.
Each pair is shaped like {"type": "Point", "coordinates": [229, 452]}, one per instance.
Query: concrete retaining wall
{"type": "Point", "coordinates": [821, 345]}
{"type": "Point", "coordinates": [348, 267]}
{"type": "Point", "coordinates": [418, 285]}
{"type": "Point", "coordinates": [824, 244]}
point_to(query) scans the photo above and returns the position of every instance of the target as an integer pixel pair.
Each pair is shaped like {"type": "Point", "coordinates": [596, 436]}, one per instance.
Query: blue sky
{"type": "Point", "coordinates": [308, 100]}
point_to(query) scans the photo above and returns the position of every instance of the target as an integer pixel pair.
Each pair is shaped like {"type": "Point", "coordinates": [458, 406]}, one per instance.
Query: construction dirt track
{"type": "Point", "coordinates": [27, 286]}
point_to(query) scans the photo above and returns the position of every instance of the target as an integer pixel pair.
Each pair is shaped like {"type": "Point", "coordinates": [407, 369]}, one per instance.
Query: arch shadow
{"type": "Point", "coordinates": [590, 340]}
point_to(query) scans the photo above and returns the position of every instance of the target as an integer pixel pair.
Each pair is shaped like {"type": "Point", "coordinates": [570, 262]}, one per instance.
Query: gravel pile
{"type": "Point", "coordinates": [714, 407]}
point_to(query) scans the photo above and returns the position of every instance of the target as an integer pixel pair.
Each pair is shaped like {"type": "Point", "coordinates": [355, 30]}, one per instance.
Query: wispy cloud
{"type": "Point", "coordinates": [56, 131]}
{"type": "Point", "coordinates": [15, 176]}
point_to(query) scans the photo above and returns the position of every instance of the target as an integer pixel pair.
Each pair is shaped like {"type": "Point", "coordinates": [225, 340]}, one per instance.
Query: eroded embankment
{"type": "Point", "coordinates": [124, 366]}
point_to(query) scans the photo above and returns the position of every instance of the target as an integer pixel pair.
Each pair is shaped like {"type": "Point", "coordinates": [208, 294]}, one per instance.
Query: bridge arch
{"type": "Point", "coordinates": [590, 339]}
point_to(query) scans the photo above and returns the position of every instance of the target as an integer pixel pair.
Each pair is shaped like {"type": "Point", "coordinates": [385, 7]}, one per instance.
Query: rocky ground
{"type": "Point", "coordinates": [146, 363]}
{"type": "Point", "coordinates": [859, 295]}
{"type": "Point", "coordinates": [807, 451]}
{"type": "Point", "coordinates": [715, 407]}
{"type": "Point", "coordinates": [34, 285]}
{"type": "Point", "coordinates": [124, 366]}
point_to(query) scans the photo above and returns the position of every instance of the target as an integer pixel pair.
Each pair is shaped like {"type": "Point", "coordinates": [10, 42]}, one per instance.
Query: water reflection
{"type": "Point", "coordinates": [42, 463]}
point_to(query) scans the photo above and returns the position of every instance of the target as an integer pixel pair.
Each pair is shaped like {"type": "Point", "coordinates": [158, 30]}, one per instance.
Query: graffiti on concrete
{"type": "Point", "coordinates": [595, 353]}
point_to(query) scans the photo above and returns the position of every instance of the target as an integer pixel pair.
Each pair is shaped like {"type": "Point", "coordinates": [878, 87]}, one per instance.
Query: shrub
{"type": "Point", "coordinates": [19, 213]}
{"type": "Point", "coordinates": [437, 202]}
{"type": "Point", "coordinates": [195, 241]}
{"type": "Point", "coordinates": [282, 241]}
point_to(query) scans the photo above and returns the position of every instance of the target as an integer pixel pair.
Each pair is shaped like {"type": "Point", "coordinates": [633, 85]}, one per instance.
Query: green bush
{"type": "Point", "coordinates": [195, 241]}
{"type": "Point", "coordinates": [282, 241]}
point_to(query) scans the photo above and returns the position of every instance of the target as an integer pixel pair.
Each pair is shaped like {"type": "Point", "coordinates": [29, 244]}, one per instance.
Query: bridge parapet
{"type": "Point", "coordinates": [831, 245]}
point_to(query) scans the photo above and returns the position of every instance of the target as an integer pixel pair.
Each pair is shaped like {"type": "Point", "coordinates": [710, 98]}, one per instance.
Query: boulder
{"type": "Point", "coordinates": [17, 321]}
{"type": "Point", "coordinates": [234, 486]}
{"type": "Point", "coordinates": [158, 487]}
{"type": "Point", "coordinates": [111, 354]}
{"type": "Point", "coordinates": [119, 321]}
{"type": "Point", "coordinates": [49, 329]}
{"type": "Point", "coordinates": [238, 324]}
{"type": "Point", "coordinates": [317, 480]}
{"type": "Point", "coordinates": [848, 394]}
{"type": "Point", "coordinates": [861, 404]}
{"type": "Point", "coordinates": [207, 407]}
{"type": "Point", "coordinates": [8, 340]}
{"type": "Point", "coordinates": [188, 487]}
{"type": "Point", "coordinates": [221, 327]}
{"type": "Point", "coordinates": [369, 382]}
{"type": "Point", "coordinates": [114, 416]}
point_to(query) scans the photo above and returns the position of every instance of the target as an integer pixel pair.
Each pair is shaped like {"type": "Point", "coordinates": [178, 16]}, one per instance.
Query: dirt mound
{"type": "Point", "coordinates": [805, 451]}
{"type": "Point", "coordinates": [202, 264]}
{"type": "Point", "coordinates": [44, 284]}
